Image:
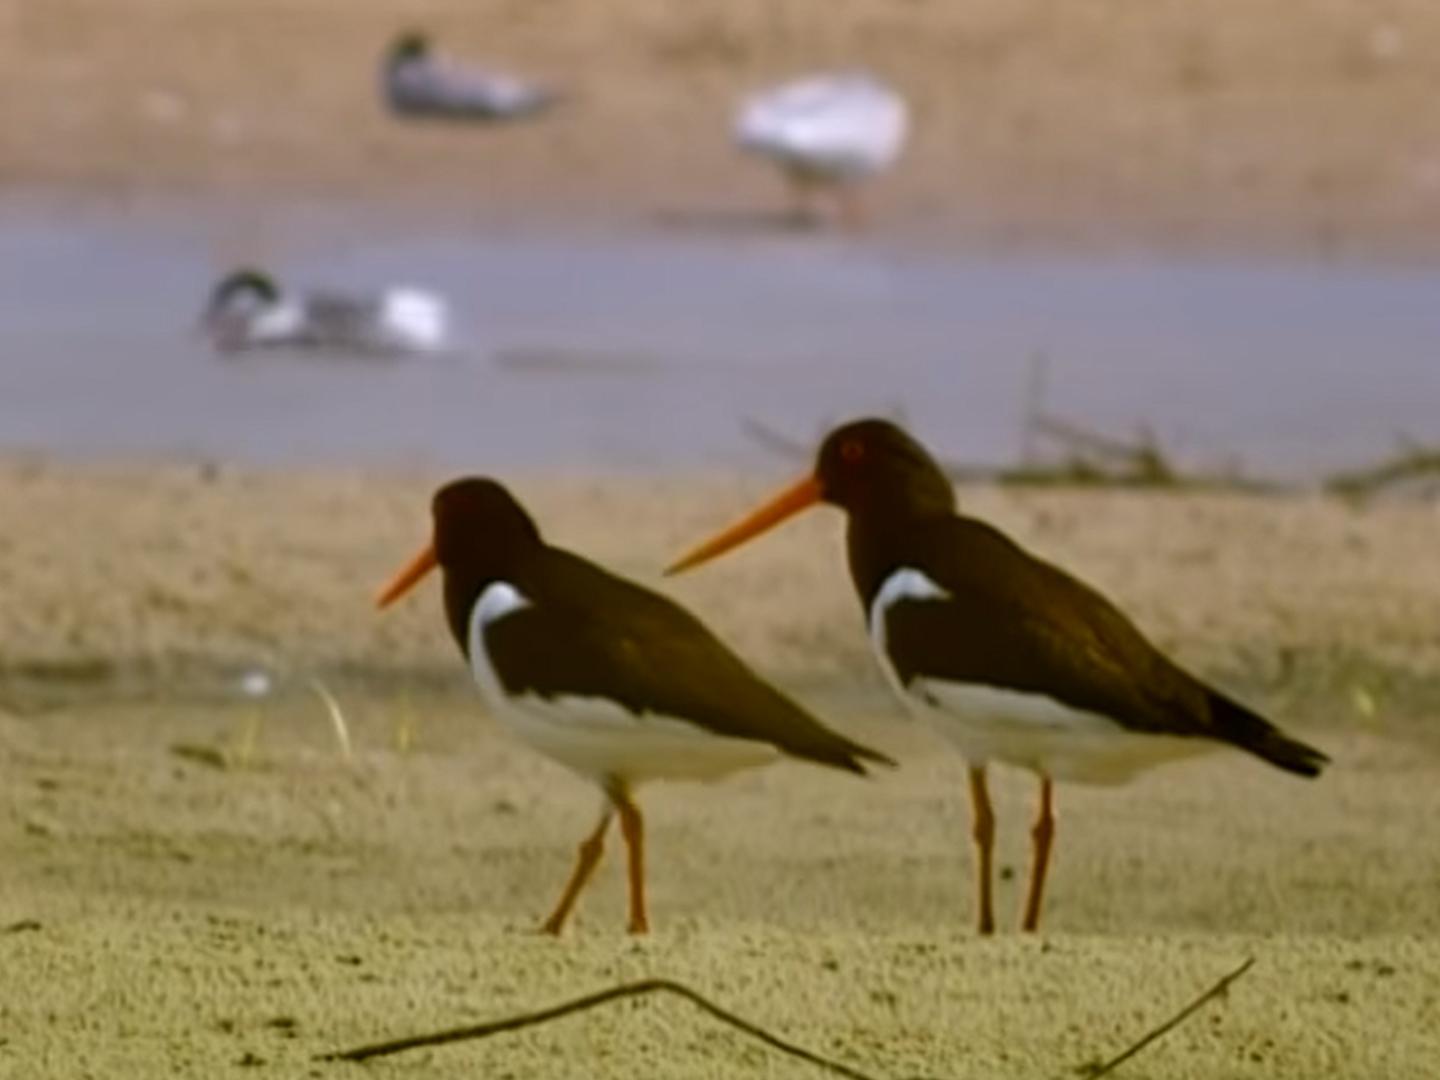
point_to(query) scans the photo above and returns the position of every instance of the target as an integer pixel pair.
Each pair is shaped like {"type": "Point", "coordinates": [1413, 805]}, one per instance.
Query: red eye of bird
{"type": "Point", "coordinates": [852, 451]}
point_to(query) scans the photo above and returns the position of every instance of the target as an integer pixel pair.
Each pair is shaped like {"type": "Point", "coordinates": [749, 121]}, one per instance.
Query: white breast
{"type": "Point", "coordinates": [901, 586]}
{"type": "Point", "coordinates": [597, 737]}
{"type": "Point", "coordinates": [1027, 730]}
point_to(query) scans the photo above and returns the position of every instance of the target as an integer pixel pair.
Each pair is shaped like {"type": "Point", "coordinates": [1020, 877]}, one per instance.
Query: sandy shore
{"type": "Point", "coordinates": [196, 883]}
{"type": "Point", "coordinates": [1304, 127]}
{"type": "Point", "coordinates": [119, 570]}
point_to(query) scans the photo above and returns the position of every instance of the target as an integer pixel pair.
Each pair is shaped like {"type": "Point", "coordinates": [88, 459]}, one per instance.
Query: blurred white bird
{"type": "Point", "coordinates": [829, 133]}
{"type": "Point", "coordinates": [247, 310]}
{"type": "Point", "coordinates": [419, 84]}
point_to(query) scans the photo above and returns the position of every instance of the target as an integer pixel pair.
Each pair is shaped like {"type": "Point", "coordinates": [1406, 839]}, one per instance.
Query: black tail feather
{"type": "Point", "coordinates": [1238, 725]}
{"type": "Point", "coordinates": [845, 754]}
{"type": "Point", "coordinates": [874, 757]}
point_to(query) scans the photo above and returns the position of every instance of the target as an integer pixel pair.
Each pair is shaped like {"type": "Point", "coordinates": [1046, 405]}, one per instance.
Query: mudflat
{"type": "Point", "coordinates": [1303, 127]}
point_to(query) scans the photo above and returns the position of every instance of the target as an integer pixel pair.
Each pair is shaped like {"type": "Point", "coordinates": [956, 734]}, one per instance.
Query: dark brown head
{"type": "Point", "coordinates": [873, 465]}
{"type": "Point", "coordinates": [866, 467]}
{"type": "Point", "coordinates": [480, 534]}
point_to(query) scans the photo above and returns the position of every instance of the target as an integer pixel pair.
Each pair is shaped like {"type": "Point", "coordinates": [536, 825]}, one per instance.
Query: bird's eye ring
{"type": "Point", "coordinates": [852, 450]}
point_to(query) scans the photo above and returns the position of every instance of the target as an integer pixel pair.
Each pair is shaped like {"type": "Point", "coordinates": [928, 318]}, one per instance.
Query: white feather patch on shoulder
{"type": "Point", "coordinates": [594, 736]}
{"type": "Point", "coordinates": [1028, 730]}
{"type": "Point", "coordinates": [498, 600]}
{"type": "Point", "coordinates": [904, 584]}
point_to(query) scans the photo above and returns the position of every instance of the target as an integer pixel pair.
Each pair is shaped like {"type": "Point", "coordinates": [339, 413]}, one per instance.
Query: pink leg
{"type": "Point", "coordinates": [591, 848]}
{"type": "Point", "coordinates": [1043, 835]}
{"type": "Point", "coordinates": [802, 198]}
{"type": "Point", "coordinates": [983, 829]}
{"type": "Point", "coordinates": [632, 827]}
{"type": "Point", "coordinates": [852, 207]}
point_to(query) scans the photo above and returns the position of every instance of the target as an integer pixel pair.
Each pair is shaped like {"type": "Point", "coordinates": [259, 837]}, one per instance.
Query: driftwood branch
{"type": "Point", "coordinates": [590, 1001]}
{"type": "Point", "coordinates": [754, 1031]}
{"type": "Point", "coordinates": [1411, 463]}
{"type": "Point", "coordinates": [1092, 460]}
{"type": "Point", "coordinates": [1141, 462]}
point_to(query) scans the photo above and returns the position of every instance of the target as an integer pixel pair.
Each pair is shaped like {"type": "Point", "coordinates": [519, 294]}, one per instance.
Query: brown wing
{"type": "Point", "coordinates": [1012, 621]}
{"type": "Point", "coordinates": [589, 633]}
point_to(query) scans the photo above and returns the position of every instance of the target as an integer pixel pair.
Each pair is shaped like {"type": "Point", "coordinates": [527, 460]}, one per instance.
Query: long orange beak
{"type": "Point", "coordinates": [408, 577]}
{"type": "Point", "coordinates": [804, 493]}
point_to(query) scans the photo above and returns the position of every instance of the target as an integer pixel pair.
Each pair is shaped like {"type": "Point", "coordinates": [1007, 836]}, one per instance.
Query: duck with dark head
{"type": "Point", "coordinates": [612, 680]}
{"type": "Point", "coordinates": [248, 310]}
{"type": "Point", "coordinates": [1015, 660]}
{"type": "Point", "coordinates": [419, 84]}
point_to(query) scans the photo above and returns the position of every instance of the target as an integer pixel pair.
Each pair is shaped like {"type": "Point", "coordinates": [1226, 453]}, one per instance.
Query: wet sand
{"type": "Point", "coordinates": [218, 890]}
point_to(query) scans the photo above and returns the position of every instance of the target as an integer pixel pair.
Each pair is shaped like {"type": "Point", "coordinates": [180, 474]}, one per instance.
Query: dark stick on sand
{"type": "Point", "coordinates": [1091, 1072]}
{"type": "Point", "coordinates": [650, 986]}
{"type": "Point", "coordinates": [590, 1001]}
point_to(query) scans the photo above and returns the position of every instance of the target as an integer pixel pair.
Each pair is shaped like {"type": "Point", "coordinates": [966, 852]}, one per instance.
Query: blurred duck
{"type": "Point", "coordinates": [829, 133]}
{"type": "Point", "coordinates": [247, 310]}
{"type": "Point", "coordinates": [419, 84]}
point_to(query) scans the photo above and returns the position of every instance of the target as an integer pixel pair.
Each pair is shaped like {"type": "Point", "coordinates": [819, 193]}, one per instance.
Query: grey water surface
{"type": "Point", "coordinates": [648, 351]}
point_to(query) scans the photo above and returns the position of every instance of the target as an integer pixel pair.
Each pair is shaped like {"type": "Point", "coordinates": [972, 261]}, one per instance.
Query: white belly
{"type": "Point", "coordinates": [598, 738]}
{"type": "Point", "coordinates": [1029, 731]}
{"type": "Point", "coordinates": [603, 741]}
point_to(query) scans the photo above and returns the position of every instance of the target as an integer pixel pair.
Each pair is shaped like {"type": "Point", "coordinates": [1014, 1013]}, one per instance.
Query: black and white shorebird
{"type": "Point", "coordinates": [247, 310]}
{"type": "Point", "coordinates": [1017, 661]}
{"type": "Point", "coordinates": [610, 679]}
{"type": "Point", "coordinates": [418, 84]}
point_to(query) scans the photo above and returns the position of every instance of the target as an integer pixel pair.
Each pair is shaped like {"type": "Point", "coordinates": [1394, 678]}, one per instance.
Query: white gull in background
{"type": "Point", "coordinates": [829, 133]}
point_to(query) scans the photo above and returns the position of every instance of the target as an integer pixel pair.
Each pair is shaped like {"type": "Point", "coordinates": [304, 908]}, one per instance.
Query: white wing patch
{"type": "Point", "coordinates": [499, 599]}
{"type": "Point", "coordinates": [904, 584]}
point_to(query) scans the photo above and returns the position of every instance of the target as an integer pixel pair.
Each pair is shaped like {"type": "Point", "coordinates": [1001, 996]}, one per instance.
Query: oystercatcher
{"type": "Point", "coordinates": [610, 679]}
{"type": "Point", "coordinates": [1016, 660]}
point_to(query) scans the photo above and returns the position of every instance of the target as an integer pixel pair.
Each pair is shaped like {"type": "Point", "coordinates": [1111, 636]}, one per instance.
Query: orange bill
{"type": "Point", "coordinates": [408, 577]}
{"type": "Point", "coordinates": [791, 501]}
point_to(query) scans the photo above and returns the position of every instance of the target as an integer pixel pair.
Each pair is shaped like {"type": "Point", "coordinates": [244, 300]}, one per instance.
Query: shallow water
{"type": "Point", "coordinates": [649, 350]}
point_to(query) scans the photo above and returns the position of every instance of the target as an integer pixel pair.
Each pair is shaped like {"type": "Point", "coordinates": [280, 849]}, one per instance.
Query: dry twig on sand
{"type": "Point", "coordinates": [338, 727]}
{"type": "Point", "coordinates": [590, 1001]}
{"type": "Point", "coordinates": [1215, 991]}
{"type": "Point", "coordinates": [754, 1031]}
